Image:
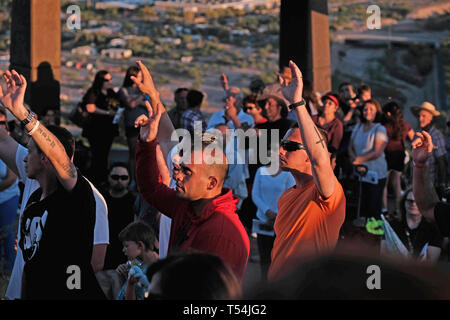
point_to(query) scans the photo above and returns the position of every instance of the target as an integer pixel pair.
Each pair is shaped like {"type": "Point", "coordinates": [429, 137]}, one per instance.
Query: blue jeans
{"type": "Point", "coordinates": [8, 214]}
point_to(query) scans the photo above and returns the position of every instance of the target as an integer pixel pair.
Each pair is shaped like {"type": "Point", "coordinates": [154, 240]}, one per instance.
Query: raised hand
{"type": "Point", "coordinates": [422, 147]}
{"type": "Point", "coordinates": [224, 81]}
{"type": "Point", "coordinates": [146, 85]}
{"type": "Point", "coordinates": [149, 125]}
{"type": "Point", "coordinates": [293, 92]}
{"type": "Point", "coordinates": [13, 97]}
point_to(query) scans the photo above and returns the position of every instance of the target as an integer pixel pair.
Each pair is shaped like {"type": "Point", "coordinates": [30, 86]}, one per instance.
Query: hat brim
{"type": "Point", "coordinates": [416, 109]}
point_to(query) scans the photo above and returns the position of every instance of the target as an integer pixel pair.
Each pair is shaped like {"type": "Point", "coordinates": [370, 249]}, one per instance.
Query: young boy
{"type": "Point", "coordinates": [138, 240]}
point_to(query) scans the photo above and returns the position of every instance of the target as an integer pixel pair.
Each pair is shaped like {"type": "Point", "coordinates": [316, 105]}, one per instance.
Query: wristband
{"type": "Point", "coordinates": [34, 128]}
{"type": "Point", "coordinates": [420, 165]}
{"type": "Point", "coordinates": [297, 104]}
{"type": "Point", "coordinates": [27, 120]}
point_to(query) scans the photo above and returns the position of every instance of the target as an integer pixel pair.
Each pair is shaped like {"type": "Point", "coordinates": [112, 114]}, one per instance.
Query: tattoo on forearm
{"type": "Point", "coordinates": [70, 169]}
{"type": "Point", "coordinates": [321, 140]}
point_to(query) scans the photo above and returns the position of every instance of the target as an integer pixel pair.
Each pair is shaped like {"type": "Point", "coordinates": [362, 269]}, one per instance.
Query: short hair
{"type": "Point", "coordinates": [139, 231]}
{"type": "Point", "coordinates": [177, 91]}
{"type": "Point", "coordinates": [194, 98]}
{"type": "Point", "coordinates": [250, 99]}
{"type": "Point", "coordinates": [363, 88]}
{"type": "Point", "coordinates": [119, 164]}
{"type": "Point", "coordinates": [64, 136]}
{"type": "Point", "coordinates": [195, 276]}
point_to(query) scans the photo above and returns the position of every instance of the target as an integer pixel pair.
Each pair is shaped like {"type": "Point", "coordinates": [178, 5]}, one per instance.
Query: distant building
{"type": "Point", "coordinates": [117, 42]}
{"type": "Point", "coordinates": [209, 5]}
{"type": "Point", "coordinates": [117, 53]}
{"type": "Point", "coordinates": [84, 51]}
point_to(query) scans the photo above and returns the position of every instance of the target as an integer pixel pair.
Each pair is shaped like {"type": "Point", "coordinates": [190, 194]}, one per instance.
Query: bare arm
{"type": "Point", "coordinates": [315, 145]}
{"type": "Point", "coordinates": [44, 139]}
{"type": "Point", "coordinates": [374, 154]}
{"type": "Point", "coordinates": [166, 128]}
{"type": "Point", "coordinates": [8, 181]}
{"type": "Point", "coordinates": [98, 256]}
{"type": "Point", "coordinates": [424, 192]}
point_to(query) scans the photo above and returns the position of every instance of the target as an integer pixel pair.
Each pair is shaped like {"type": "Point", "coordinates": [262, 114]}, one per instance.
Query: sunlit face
{"type": "Point", "coordinates": [108, 81]}
{"type": "Point", "coordinates": [252, 109]}
{"type": "Point", "coordinates": [132, 249]}
{"type": "Point", "coordinates": [33, 161]}
{"type": "Point", "coordinates": [425, 118]}
{"type": "Point", "coordinates": [329, 107]}
{"type": "Point", "coordinates": [191, 180]}
{"type": "Point", "coordinates": [369, 112]}
{"type": "Point", "coordinates": [366, 95]}
{"type": "Point", "coordinates": [410, 205]}
{"type": "Point", "coordinates": [294, 160]}
{"type": "Point", "coordinates": [273, 109]}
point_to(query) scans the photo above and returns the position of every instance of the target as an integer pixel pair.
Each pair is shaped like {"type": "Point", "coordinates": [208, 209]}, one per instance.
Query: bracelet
{"type": "Point", "coordinates": [420, 165]}
{"type": "Point", "coordinates": [34, 128]}
{"type": "Point", "coordinates": [297, 104]}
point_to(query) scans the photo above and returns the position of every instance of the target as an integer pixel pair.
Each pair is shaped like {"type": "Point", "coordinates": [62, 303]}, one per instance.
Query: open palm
{"type": "Point", "coordinates": [14, 94]}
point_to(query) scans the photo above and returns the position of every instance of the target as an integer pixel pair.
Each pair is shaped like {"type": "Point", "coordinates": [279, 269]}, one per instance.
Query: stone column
{"type": "Point", "coordinates": [36, 50]}
{"type": "Point", "coordinates": [304, 38]}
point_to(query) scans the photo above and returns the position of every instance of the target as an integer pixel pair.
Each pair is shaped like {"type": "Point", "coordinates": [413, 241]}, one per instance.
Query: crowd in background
{"type": "Point", "coordinates": [370, 152]}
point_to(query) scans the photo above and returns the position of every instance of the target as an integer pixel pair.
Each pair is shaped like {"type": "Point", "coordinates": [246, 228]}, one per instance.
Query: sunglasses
{"type": "Point", "coordinates": [291, 146]}
{"type": "Point", "coordinates": [107, 79]}
{"type": "Point", "coordinates": [3, 123]}
{"type": "Point", "coordinates": [117, 177]}
{"type": "Point", "coordinates": [248, 108]}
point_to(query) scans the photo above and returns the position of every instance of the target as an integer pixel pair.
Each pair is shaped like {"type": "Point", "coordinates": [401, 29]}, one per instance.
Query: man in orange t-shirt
{"type": "Point", "coordinates": [311, 213]}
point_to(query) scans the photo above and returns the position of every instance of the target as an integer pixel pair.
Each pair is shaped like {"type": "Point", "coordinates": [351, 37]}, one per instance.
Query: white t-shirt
{"type": "Point", "coordinates": [101, 230]}
{"type": "Point", "coordinates": [12, 190]}
{"type": "Point", "coordinates": [217, 118]}
{"type": "Point", "coordinates": [364, 142]}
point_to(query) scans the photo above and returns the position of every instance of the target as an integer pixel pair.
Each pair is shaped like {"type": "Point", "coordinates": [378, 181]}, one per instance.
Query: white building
{"type": "Point", "coordinates": [117, 53]}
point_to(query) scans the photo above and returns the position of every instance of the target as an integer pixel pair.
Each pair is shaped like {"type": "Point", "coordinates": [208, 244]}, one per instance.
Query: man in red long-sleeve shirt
{"type": "Point", "coordinates": [202, 211]}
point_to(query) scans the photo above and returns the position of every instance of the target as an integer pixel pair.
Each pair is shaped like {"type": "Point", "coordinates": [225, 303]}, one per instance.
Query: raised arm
{"type": "Point", "coordinates": [424, 192]}
{"type": "Point", "coordinates": [44, 139]}
{"type": "Point", "coordinates": [166, 128]}
{"type": "Point", "coordinates": [312, 139]}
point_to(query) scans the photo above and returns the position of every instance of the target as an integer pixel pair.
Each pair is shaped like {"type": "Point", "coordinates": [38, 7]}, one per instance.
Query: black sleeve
{"type": "Point", "coordinates": [442, 217]}
{"type": "Point", "coordinates": [436, 236]}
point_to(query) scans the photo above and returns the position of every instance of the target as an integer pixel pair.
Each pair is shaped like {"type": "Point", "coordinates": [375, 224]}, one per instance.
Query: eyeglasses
{"type": "Point", "coordinates": [107, 79]}
{"type": "Point", "coordinates": [117, 177]}
{"type": "Point", "coordinates": [291, 146]}
{"type": "Point", "coordinates": [3, 123]}
{"type": "Point", "coordinates": [248, 108]}
{"type": "Point", "coordinates": [410, 201]}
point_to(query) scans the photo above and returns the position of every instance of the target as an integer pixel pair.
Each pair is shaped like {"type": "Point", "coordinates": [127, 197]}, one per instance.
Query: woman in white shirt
{"type": "Point", "coordinates": [368, 140]}
{"type": "Point", "coordinates": [266, 191]}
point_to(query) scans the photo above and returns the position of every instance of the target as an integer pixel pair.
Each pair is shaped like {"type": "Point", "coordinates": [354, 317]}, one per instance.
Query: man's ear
{"type": "Point", "coordinates": [212, 183]}
{"type": "Point", "coordinates": [141, 245]}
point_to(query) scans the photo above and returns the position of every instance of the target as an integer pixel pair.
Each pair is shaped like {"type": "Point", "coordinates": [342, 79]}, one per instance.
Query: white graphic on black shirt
{"type": "Point", "coordinates": [32, 235]}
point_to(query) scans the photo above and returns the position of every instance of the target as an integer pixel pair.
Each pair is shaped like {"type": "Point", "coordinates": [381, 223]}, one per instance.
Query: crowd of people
{"type": "Point", "coordinates": [272, 177]}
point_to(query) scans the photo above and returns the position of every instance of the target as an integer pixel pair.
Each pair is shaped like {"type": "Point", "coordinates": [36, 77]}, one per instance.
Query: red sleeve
{"type": "Point", "coordinates": [149, 181]}
{"type": "Point", "coordinates": [337, 135]}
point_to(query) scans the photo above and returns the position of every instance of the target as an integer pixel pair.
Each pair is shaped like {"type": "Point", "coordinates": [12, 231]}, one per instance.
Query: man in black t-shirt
{"type": "Point", "coordinates": [424, 192]}
{"type": "Point", "coordinates": [121, 213]}
{"type": "Point", "coordinates": [57, 226]}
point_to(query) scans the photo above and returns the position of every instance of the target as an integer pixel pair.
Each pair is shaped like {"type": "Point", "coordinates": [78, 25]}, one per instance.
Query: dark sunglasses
{"type": "Point", "coordinates": [248, 108]}
{"type": "Point", "coordinates": [3, 123]}
{"type": "Point", "coordinates": [107, 80]}
{"type": "Point", "coordinates": [291, 146]}
{"type": "Point", "coordinates": [117, 177]}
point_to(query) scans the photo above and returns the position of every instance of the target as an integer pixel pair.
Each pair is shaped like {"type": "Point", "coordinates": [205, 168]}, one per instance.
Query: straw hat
{"type": "Point", "coordinates": [425, 106]}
